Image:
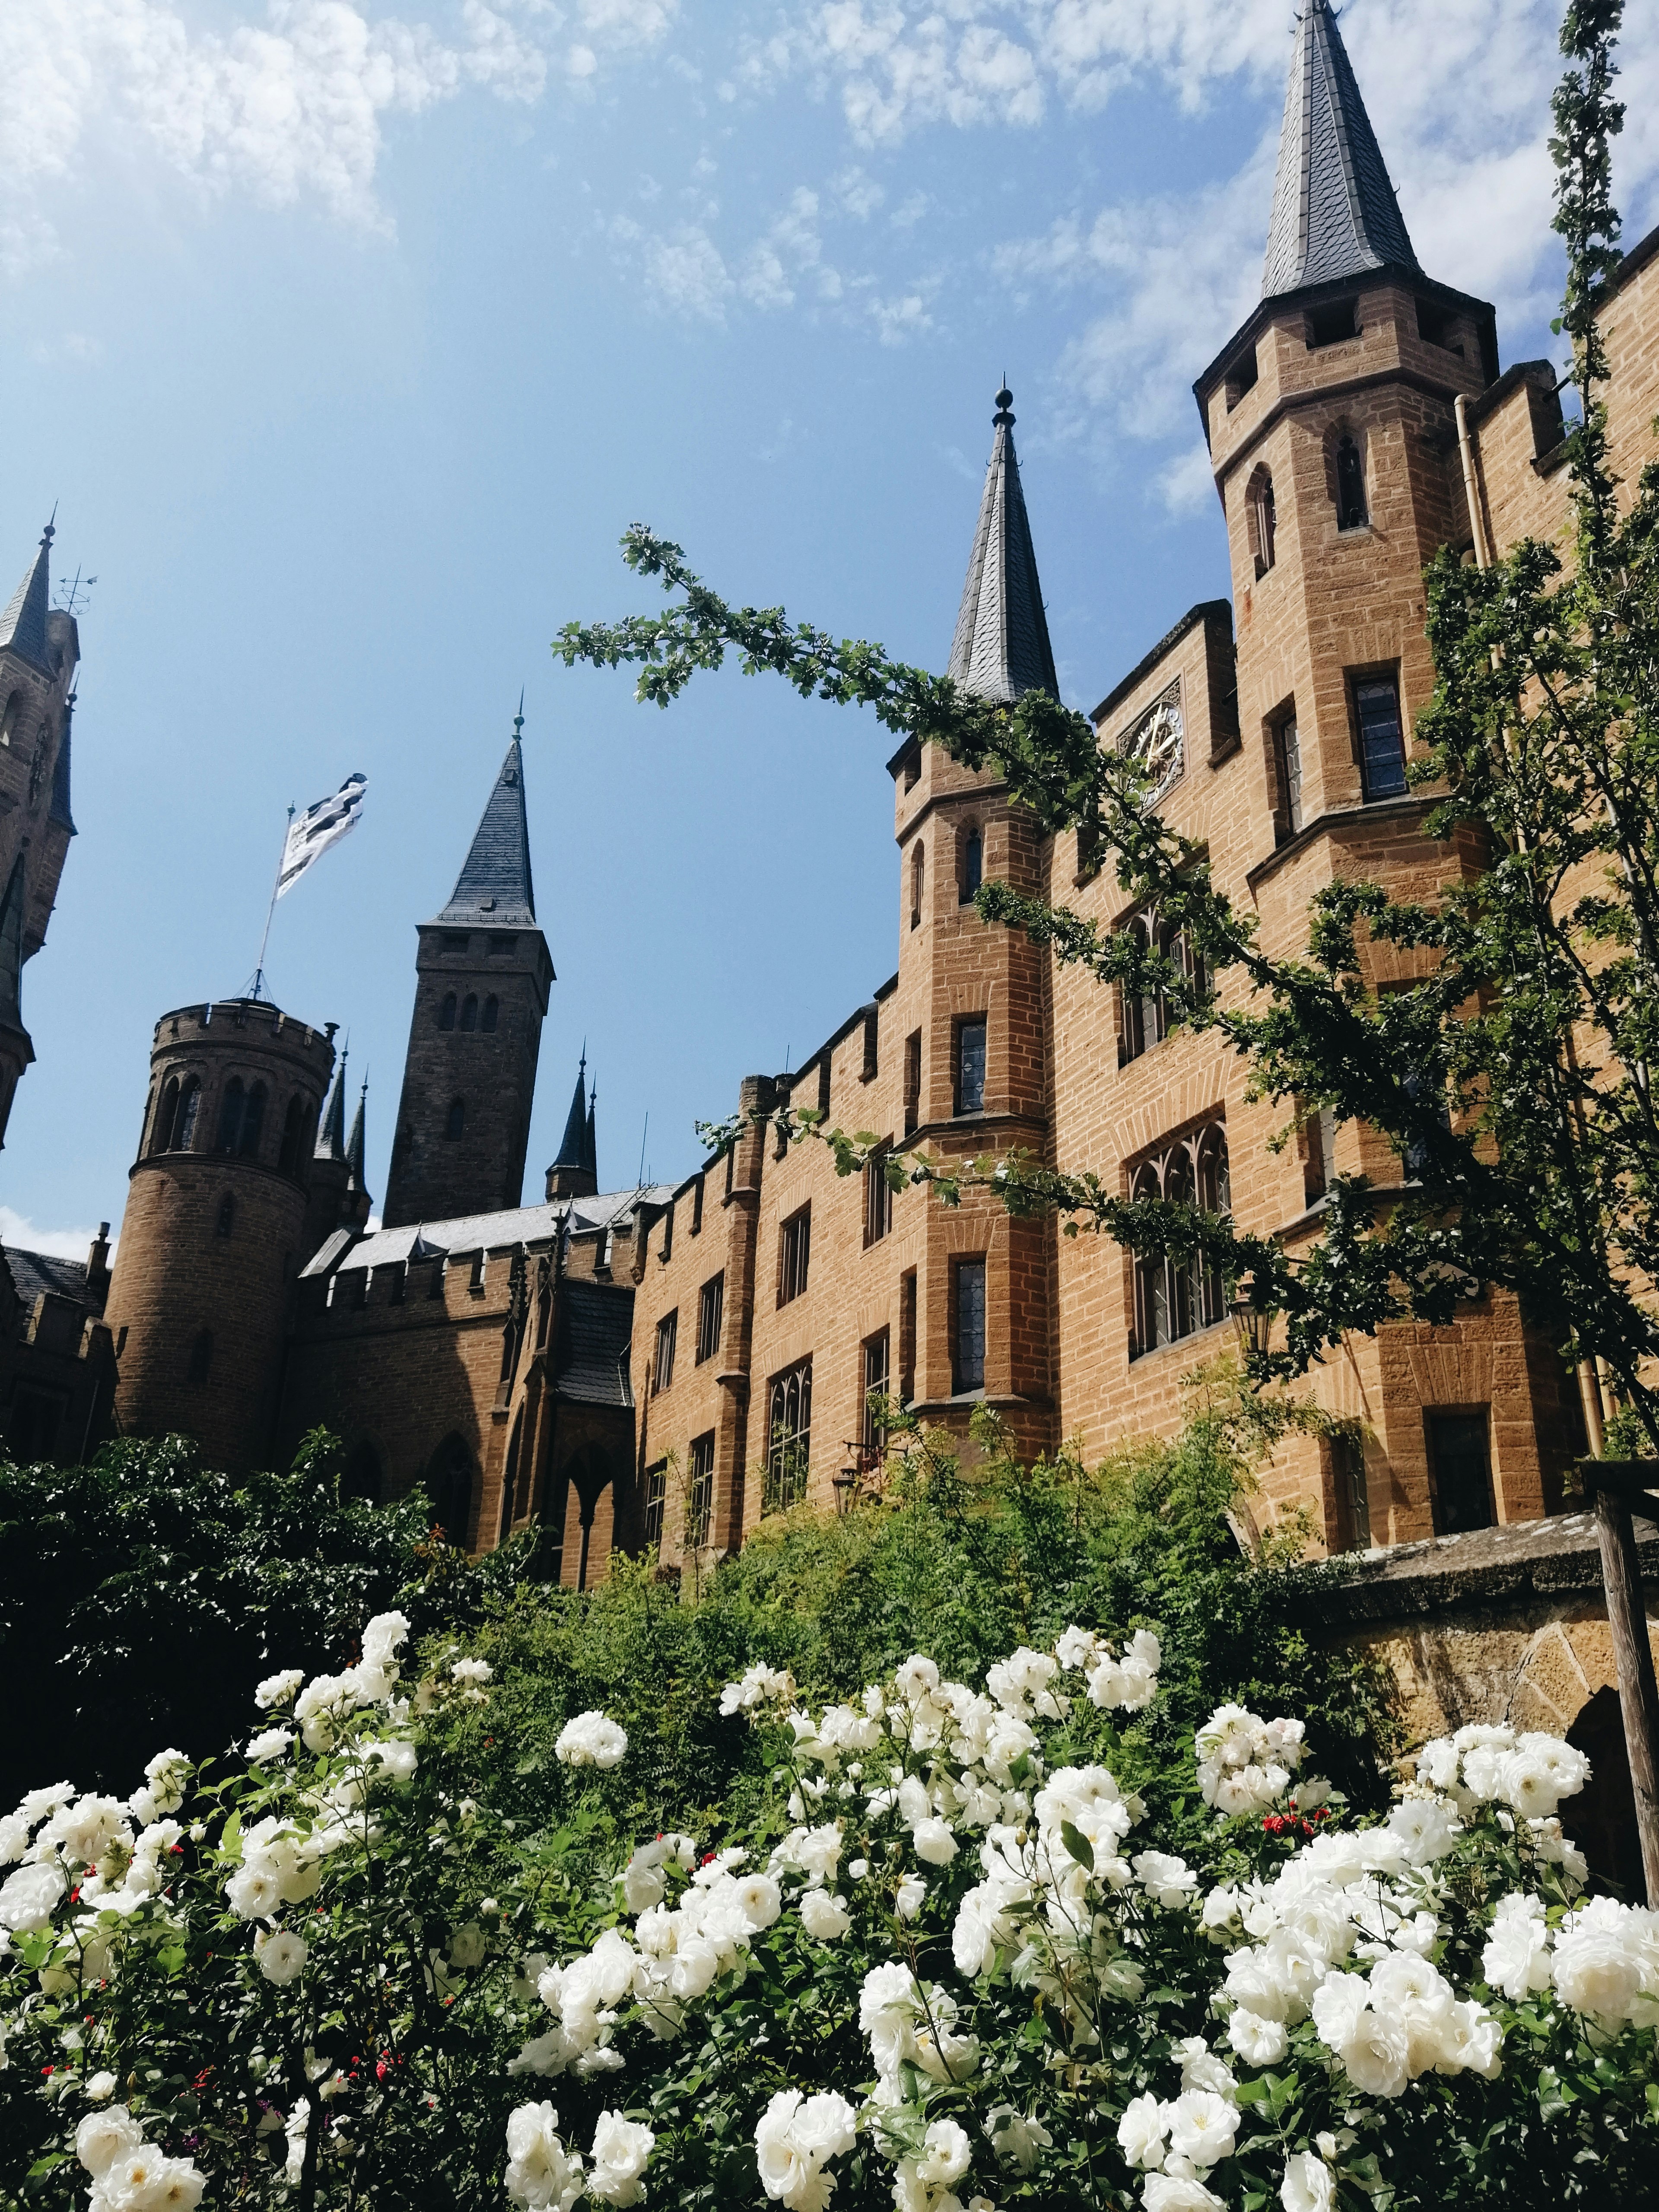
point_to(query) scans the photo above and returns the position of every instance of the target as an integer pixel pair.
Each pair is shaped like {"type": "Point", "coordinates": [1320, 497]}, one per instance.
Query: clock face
{"type": "Point", "coordinates": [1158, 742]}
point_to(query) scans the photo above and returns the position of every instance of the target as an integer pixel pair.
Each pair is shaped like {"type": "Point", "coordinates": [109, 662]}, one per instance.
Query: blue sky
{"type": "Point", "coordinates": [347, 344]}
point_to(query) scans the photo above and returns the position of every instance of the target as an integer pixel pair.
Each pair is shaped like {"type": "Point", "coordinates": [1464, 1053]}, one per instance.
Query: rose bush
{"type": "Point", "coordinates": [944, 1968]}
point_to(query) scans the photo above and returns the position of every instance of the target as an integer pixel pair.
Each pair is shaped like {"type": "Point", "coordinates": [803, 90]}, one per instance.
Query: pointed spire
{"type": "Point", "coordinates": [590, 1141]}
{"type": "Point", "coordinates": [1334, 211]}
{"type": "Point", "coordinates": [23, 625]}
{"type": "Point", "coordinates": [355, 1144]}
{"type": "Point", "coordinates": [330, 1134]}
{"type": "Point", "coordinates": [11, 948]}
{"type": "Point", "coordinates": [573, 1144]}
{"type": "Point", "coordinates": [493, 888]}
{"type": "Point", "coordinates": [1001, 646]}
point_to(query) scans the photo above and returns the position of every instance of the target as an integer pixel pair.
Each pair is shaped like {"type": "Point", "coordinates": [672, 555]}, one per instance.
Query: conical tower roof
{"type": "Point", "coordinates": [573, 1146]}
{"type": "Point", "coordinates": [1001, 646]}
{"type": "Point", "coordinates": [355, 1144]}
{"type": "Point", "coordinates": [1334, 211]}
{"type": "Point", "coordinates": [332, 1130]}
{"type": "Point", "coordinates": [23, 625]}
{"type": "Point", "coordinates": [494, 889]}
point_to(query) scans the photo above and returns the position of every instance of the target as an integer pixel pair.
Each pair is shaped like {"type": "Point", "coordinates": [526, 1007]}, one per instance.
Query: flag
{"type": "Point", "coordinates": [312, 833]}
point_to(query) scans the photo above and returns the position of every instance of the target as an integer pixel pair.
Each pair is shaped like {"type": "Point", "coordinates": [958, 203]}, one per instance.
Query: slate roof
{"type": "Point", "coordinates": [490, 1233]}
{"type": "Point", "coordinates": [330, 1143]}
{"type": "Point", "coordinates": [573, 1146]}
{"type": "Point", "coordinates": [355, 1145]}
{"type": "Point", "coordinates": [12, 904]}
{"type": "Point", "coordinates": [494, 889]}
{"type": "Point", "coordinates": [1001, 644]}
{"type": "Point", "coordinates": [595, 1325]}
{"type": "Point", "coordinates": [1334, 211]}
{"type": "Point", "coordinates": [34, 1272]}
{"type": "Point", "coordinates": [23, 625]}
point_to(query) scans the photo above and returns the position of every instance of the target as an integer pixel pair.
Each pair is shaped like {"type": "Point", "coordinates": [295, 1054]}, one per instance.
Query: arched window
{"type": "Point", "coordinates": [362, 1479]}
{"type": "Point", "coordinates": [492, 1010]}
{"type": "Point", "coordinates": [449, 1484]}
{"type": "Point", "coordinates": [230, 1117]}
{"type": "Point", "coordinates": [510, 1478]}
{"type": "Point", "coordinates": [446, 1011]}
{"type": "Point", "coordinates": [1351, 513]}
{"type": "Point", "coordinates": [456, 1121]}
{"type": "Point", "coordinates": [201, 1355]}
{"type": "Point", "coordinates": [227, 1220]}
{"type": "Point", "coordinates": [161, 1135]}
{"type": "Point", "coordinates": [918, 879]}
{"type": "Point", "coordinates": [253, 1115]}
{"type": "Point", "coordinates": [10, 718]}
{"type": "Point", "coordinates": [1261, 517]}
{"type": "Point", "coordinates": [470, 1012]}
{"type": "Point", "coordinates": [294, 1123]}
{"type": "Point", "coordinates": [1176, 1293]}
{"type": "Point", "coordinates": [973, 864]}
{"type": "Point", "coordinates": [183, 1126]}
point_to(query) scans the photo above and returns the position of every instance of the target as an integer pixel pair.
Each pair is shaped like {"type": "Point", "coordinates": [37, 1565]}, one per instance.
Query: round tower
{"type": "Point", "coordinates": [215, 1228]}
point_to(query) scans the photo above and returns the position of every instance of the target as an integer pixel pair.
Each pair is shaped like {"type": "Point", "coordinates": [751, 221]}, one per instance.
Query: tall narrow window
{"type": "Point", "coordinates": [907, 1377]}
{"type": "Point", "coordinates": [1319, 1137]}
{"type": "Point", "coordinates": [294, 1121]}
{"type": "Point", "coordinates": [662, 1368]}
{"type": "Point", "coordinates": [1349, 1496]}
{"type": "Point", "coordinates": [201, 1355]}
{"type": "Point", "coordinates": [697, 1207]}
{"type": "Point", "coordinates": [877, 1384]}
{"type": "Point", "coordinates": [1176, 1293]}
{"type": "Point", "coordinates": [794, 1254]}
{"type": "Point", "coordinates": [711, 1312]}
{"type": "Point", "coordinates": [656, 1502]}
{"type": "Point", "coordinates": [1382, 746]}
{"type": "Point", "coordinates": [968, 1326]}
{"type": "Point", "coordinates": [1460, 1456]}
{"type": "Point", "coordinates": [491, 1015]}
{"type": "Point", "coordinates": [226, 1216]}
{"type": "Point", "coordinates": [970, 1065]}
{"type": "Point", "coordinates": [877, 1195]}
{"type": "Point", "coordinates": [510, 1475]}
{"type": "Point", "coordinates": [700, 1490]}
{"type": "Point", "coordinates": [253, 1118]}
{"type": "Point", "coordinates": [1287, 759]}
{"type": "Point", "coordinates": [1264, 522]}
{"type": "Point", "coordinates": [446, 1011]}
{"type": "Point", "coordinates": [470, 1010]}
{"type": "Point", "coordinates": [973, 864]}
{"type": "Point", "coordinates": [1350, 486]}
{"type": "Point", "coordinates": [455, 1122]}
{"type": "Point", "coordinates": [918, 878]}
{"type": "Point", "coordinates": [668, 1232]}
{"type": "Point", "coordinates": [230, 1117]}
{"type": "Point", "coordinates": [161, 1131]}
{"type": "Point", "coordinates": [788, 1437]}
{"type": "Point", "coordinates": [912, 1082]}
{"type": "Point", "coordinates": [183, 1127]}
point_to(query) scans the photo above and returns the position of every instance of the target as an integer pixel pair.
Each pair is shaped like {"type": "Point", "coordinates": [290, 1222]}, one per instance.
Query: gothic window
{"type": "Point", "coordinates": [470, 1012]}
{"type": "Point", "coordinates": [455, 1122]}
{"type": "Point", "coordinates": [970, 1065]}
{"type": "Point", "coordinates": [446, 1011]}
{"type": "Point", "coordinates": [230, 1116]}
{"type": "Point", "coordinates": [662, 1367]}
{"type": "Point", "coordinates": [1148, 1016]}
{"type": "Point", "coordinates": [1351, 513]}
{"type": "Point", "coordinates": [878, 1194]}
{"type": "Point", "coordinates": [789, 1438]}
{"type": "Point", "coordinates": [794, 1254]}
{"type": "Point", "coordinates": [1263, 521]}
{"type": "Point", "coordinates": [1381, 745]}
{"type": "Point", "coordinates": [1287, 767]}
{"type": "Point", "coordinates": [1176, 1293]}
{"type": "Point", "coordinates": [711, 1304]}
{"type": "Point", "coordinates": [183, 1126]}
{"type": "Point", "coordinates": [967, 1325]}
{"type": "Point", "coordinates": [294, 1123]}
{"type": "Point", "coordinates": [161, 1135]}
{"type": "Point", "coordinates": [877, 1383]}
{"type": "Point", "coordinates": [10, 717]}
{"type": "Point", "coordinates": [450, 1484]}
{"type": "Point", "coordinates": [656, 1501]}
{"type": "Point", "coordinates": [700, 1492]}
{"type": "Point", "coordinates": [510, 1475]}
{"type": "Point", "coordinates": [912, 1082]}
{"type": "Point", "coordinates": [491, 1015]}
{"type": "Point", "coordinates": [201, 1355]}
{"type": "Point", "coordinates": [918, 878]}
{"type": "Point", "coordinates": [973, 865]}
{"type": "Point", "coordinates": [227, 1220]}
{"type": "Point", "coordinates": [254, 1115]}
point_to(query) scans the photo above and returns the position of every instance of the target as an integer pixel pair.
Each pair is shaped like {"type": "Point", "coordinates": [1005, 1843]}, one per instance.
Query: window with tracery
{"type": "Point", "coordinates": [1179, 1293]}
{"type": "Point", "coordinates": [788, 1437]}
{"type": "Point", "coordinates": [1148, 1016]}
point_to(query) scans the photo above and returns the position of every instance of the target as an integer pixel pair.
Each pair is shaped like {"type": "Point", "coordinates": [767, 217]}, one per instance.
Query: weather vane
{"type": "Point", "coordinates": [72, 596]}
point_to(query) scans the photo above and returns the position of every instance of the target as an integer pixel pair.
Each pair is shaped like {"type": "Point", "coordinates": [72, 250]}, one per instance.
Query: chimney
{"type": "Point", "coordinates": [98, 1268]}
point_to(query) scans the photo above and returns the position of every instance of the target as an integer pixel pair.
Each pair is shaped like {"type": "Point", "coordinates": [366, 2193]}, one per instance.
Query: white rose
{"type": "Point", "coordinates": [27, 1898]}
{"type": "Point", "coordinates": [1017, 2140]}
{"type": "Point", "coordinates": [1309, 2185]}
{"type": "Point", "coordinates": [621, 2148]}
{"type": "Point", "coordinates": [102, 2138]}
{"type": "Point", "coordinates": [1203, 2126]}
{"type": "Point", "coordinates": [824, 1916]}
{"type": "Point", "coordinates": [1597, 1968]}
{"type": "Point", "coordinates": [1168, 1882]}
{"type": "Point", "coordinates": [1143, 2131]}
{"type": "Point", "coordinates": [1171, 2192]}
{"type": "Point", "coordinates": [283, 1957]}
{"type": "Point", "coordinates": [759, 1899]}
{"type": "Point", "coordinates": [100, 2087]}
{"type": "Point", "coordinates": [933, 1841]}
{"type": "Point", "coordinates": [1258, 2042]}
{"type": "Point", "coordinates": [277, 1689]}
{"type": "Point", "coordinates": [911, 1896]}
{"type": "Point", "coordinates": [540, 2172]}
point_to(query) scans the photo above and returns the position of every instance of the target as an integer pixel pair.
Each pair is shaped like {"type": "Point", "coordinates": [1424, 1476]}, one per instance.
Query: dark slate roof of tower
{"type": "Point", "coordinates": [494, 887]}
{"type": "Point", "coordinates": [331, 1133]}
{"type": "Point", "coordinates": [23, 625]}
{"type": "Point", "coordinates": [1001, 646]}
{"type": "Point", "coordinates": [60, 774]}
{"type": "Point", "coordinates": [573, 1146]}
{"type": "Point", "coordinates": [355, 1146]}
{"type": "Point", "coordinates": [11, 946]}
{"type": "Point", "coordinates": [1334, 211]}
{"type": "Point", "coordinates": [590, 1136]}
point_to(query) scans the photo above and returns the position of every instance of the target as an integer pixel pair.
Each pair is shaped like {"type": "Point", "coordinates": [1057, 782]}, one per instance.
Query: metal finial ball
{"type": "Point", "coordinates": [1005, 402]}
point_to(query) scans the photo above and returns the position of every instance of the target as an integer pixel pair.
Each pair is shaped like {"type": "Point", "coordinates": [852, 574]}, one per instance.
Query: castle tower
{"type": "Point", "coordinates": [481, 974]}
{"type": "Point", "coordinates": [39, 650]}
{"type": "Point", "coordinates": [215, 1227]}
{"type": "Point", "coordinates": [574, 1173]}
{"type": "Point", "coordinates": [1332, 422]}
{"type": "Point", "coordinates": [970, 997]}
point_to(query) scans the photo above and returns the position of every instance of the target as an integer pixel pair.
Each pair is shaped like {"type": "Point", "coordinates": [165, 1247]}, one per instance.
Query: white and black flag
{"type": "Point", "coordinates": [311, 834]}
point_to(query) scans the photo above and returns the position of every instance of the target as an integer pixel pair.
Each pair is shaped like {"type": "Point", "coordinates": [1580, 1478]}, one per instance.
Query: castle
{"type": "Point", "coordinates": [658, 1369]}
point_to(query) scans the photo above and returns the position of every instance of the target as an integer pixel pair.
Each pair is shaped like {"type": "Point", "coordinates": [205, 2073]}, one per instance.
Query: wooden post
{"type": "Point", "coordinates": [1614, 1483]}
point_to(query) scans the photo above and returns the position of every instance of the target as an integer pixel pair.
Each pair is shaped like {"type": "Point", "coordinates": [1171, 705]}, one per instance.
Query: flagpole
{"type": "Point", "coordinates": [264, 939]}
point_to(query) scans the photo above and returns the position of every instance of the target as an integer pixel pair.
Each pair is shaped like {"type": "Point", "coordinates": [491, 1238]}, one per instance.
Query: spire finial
{"type": "Point", "coordinates": [1003, 419]}
{"type": "Point", "coordinates": [518, 719]}
{"type": "Point", "coordinates": [51, 530]}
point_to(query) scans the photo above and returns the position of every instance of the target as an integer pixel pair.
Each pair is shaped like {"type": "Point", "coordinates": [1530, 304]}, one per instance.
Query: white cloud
{"type": "Point", "coordinates": [24, 1235]}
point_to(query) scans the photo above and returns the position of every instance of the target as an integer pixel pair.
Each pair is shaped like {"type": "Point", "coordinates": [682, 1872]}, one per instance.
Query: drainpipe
{"type": "Point", "coordinates": [1471, 485]}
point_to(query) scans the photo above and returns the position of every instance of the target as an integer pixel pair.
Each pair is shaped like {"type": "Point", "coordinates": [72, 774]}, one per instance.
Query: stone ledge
{"type": "Point", "coordinates": [1486, 1568]}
